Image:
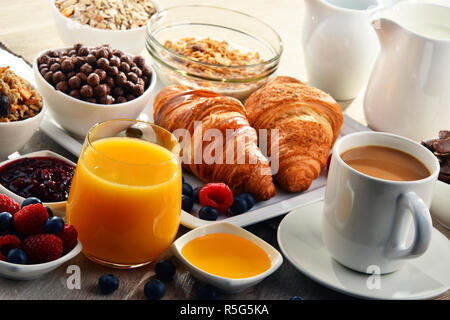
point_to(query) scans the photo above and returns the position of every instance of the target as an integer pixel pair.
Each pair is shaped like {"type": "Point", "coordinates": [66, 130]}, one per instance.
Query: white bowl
{"type": "Point", "coordinates": [228, 285]}
{"type": "Point", "coordinates": [58, 208]}
{"type": "Point", "coordinates": [33, 271]}
{"type": "Point", "coordinates": [71, 32]}
{"type": "Point", "coordinates": [440, 205]}
{"type": "Point", "coordinates": [77, 116]}
{"type": "Point", "coordinates": [14, 134]}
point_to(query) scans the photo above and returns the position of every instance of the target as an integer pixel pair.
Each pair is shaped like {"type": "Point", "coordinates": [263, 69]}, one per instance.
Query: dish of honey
{"type": "Point", "coordinates": [226, 255]}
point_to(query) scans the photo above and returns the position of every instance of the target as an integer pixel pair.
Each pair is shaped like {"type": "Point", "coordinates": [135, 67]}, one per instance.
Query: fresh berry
{"type": "Point", "coordinates": [208, 213]}
{"type": "Point", "coordinates": [69, 237]}
{"type": "Point", "coordinates": [7, 243]}
{"type": "Point", "coordinates": [206, 292]}
{"type": "Point", "coordinates": [239, 206]}
{"type": "Point", "coordinates": [17, 256]}
{"type": "Point", "coordinates": [216, 195]}
{"type": "Point", "coordinates": [154, 289]}
{"type": "Point", "coordinates": [108, 283]}
{"type": "Point", "coordinates": [249, 199]}
{"type": "Point", "coordinates": [42, 248]}
{"type": "Point", "coordinates": [54, 225]}
{"type": "Point", "coordinates": [30, 219]}
{"type": "Point", "coordinates": [8, 204]}
{"type": "Point", "coordinates": [29, 201]}
{"type": "Point", "coordinates": [296, 298]}
{"type": "Point", "coordinates": [186, 203]}
{"type": "Point", "coordinates": [49, 211]}
{"type": "Point", "coordinates": [165, 270]}
{"type": "Point", "coordinates": [6, 221]}
{"type": "Point", "coordinates": [5, 105]}
{"type": "Point", "coordinates": [195, 196]}
{"type": "Point", "coordinates": [187, 190]}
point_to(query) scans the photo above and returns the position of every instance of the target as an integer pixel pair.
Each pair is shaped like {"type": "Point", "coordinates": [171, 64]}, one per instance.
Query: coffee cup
{"type": "Point", "coordinates": [377, 223]}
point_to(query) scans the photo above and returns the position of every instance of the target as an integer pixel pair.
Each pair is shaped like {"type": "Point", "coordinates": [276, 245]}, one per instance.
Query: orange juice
{"type": "Point", "coordinates": [226, 255]}
{"type": "Point", "coordinates": [125, 200]}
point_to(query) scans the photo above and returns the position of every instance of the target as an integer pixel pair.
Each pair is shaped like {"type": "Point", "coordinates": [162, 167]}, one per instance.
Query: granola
{"type": "Point", "coordinates": [18, 100]}
{"type": "Point", "coordinates": [216, 53]}
{"type": "Point", "coordinates": [108, 14]}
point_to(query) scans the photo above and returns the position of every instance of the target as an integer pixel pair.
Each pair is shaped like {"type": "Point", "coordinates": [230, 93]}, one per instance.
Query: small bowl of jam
{"type": "Point", "coordinates": [42, 174]}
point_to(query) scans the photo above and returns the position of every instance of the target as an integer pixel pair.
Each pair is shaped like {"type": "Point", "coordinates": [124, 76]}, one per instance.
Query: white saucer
{"type": "Point", "coordinates": [300, 240]}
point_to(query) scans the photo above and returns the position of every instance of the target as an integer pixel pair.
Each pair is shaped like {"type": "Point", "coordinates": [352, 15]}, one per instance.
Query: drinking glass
{"type": "Point", "coordinates": [125, 198]}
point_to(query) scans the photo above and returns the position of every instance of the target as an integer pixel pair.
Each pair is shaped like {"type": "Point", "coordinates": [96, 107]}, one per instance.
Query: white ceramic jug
{"type": "Point", "coordinates": [409, 89]}
{"type": "Point", "coordinates": [339, 45]}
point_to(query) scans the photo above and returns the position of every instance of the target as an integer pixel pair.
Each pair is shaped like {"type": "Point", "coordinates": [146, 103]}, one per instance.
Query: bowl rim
{"type": "Point", "coordinates": [156, 3]}
{"type": "Point", "coordinates": [163, 12]}
{"type": "Point", "coordinates": [25, 268]}
{"type": "Point", "coordinates": [227, 227]}
{"type": "Point", "coordinates": [39, 153]}
{"type": "Point", "coordinates": [147, 91]}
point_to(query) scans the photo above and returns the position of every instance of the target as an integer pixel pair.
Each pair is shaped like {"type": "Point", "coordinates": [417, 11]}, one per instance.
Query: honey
{"type": "Point", "coordinates": [226, 255]}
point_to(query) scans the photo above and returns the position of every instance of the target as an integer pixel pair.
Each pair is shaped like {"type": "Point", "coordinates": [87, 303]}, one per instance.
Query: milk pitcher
{"type": "Point", "coordinates": [409, 89]}
{"type": "Point", "coordinates": [339, 45]}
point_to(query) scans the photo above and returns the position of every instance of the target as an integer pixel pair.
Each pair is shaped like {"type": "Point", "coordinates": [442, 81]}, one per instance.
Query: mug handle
{"type": "Point", "coordinates": [410, 203]}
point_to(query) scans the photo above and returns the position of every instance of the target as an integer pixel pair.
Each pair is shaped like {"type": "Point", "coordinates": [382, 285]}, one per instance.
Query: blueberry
{"type": "Point", "coordinates": [239, 205]}
{"type": "Point", "coordinates": [5, 105]}
{"type": "Point", "coordinates": [206, 292]}
{"type": "Point", "coordinates": [195, 195]}
{"type": "Point", "coordinates": [186, 203]}
{"type": "Point", "coordinates": [165, 270]}
{"type": "Point", "coordinates": [30, 200]}
{"type": "Point", "coordinates": [49, 211]}
{"type": "Point", "coordinates": [296, 298]}
{"type": "Point", "coordinates": [54, 225]}
{"type": "Point", "coordinates": [249, 199]}
{"type": "Point", "coordinates": [108, 283]}
{"type": "Point", "coordinates": [6, 220]}
{"type": "Point", "coordinates": [154, 289]}
{"type": "Point", "coordinates": [187, 190]}
{"type": "Point", "coordinates": [17, 256]}
{"type": "Point", "coordinates": [208, 213]}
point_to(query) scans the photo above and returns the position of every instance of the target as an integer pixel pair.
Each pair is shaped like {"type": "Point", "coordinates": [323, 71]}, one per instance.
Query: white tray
{"type": "Point", "coordinates": [282, 203]}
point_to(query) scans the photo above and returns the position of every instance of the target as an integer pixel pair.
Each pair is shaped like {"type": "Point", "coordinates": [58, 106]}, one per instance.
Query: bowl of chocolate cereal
{"type": "Point", "coordinates": [85, 85]}
{"type": "Point", "coordinates": [121, 23]}
{"type": "Point", "coordinates": [212, 48]}
{"type": "Point", "coordinates": [21, 111]}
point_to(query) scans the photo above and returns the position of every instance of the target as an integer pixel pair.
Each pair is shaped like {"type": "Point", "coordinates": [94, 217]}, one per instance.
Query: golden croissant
{"type": "Point", "coordinates": [308, 122]}
{"type": "Point", "coordinates": [238, 162]}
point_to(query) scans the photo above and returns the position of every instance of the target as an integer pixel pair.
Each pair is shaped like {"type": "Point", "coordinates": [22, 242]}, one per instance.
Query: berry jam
{"type": "Point", "coordinates": [46, 178]}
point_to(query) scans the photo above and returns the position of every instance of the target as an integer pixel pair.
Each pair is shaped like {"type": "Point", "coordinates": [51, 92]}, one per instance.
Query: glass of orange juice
{"type": "Point", "coordinates": [125, 198]}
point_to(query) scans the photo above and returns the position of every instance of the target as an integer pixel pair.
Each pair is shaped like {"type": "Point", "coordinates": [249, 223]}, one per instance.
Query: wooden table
{"type": "Point", "coordinates": [26, 28]}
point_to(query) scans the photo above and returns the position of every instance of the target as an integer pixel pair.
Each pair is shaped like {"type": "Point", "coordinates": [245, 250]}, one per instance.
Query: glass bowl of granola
{"type": "Point", "coordinates": [212, 48]}
{"type": "Point", "coordinates": [120, 23]}
{"type": "Point", "coordinates": [21, 111]}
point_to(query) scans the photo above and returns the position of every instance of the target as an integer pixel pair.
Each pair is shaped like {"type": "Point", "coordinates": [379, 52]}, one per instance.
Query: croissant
{"type": "Point", "coordinates": [308, 122]}
{"type": "Point", "coordinates": [238, 161]}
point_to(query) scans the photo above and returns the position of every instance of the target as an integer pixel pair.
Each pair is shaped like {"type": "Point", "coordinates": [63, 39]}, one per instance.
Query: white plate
{"type": "Point", "coordinates": [440, 206]}
{"type": "Point", "coordinates": [300, 240]}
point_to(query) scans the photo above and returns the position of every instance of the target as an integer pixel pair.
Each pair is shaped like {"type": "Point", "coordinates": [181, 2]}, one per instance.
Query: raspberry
{"type": "Point", "coordinates": [30, 219]}
{"type": "Point", "coordinates": [7, 243]}
{"type": "Point", "coordinates": [8, 204]}
{"type": "Point", "coordinates": [69, 237]}
{"type": "Point", "coordinates": [216, 195]}
{"type": "Point", "coordinates": [42, 248]}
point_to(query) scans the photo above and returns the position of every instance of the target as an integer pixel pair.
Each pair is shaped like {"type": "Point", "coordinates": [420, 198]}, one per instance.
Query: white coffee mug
{"type": "Point", "coordinates": [368, 222]}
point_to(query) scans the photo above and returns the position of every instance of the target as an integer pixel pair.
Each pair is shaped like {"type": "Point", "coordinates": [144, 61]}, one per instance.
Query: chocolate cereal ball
{"type": "Point", "coordinates": [139, 61]}
{"type": "Point", "coordinates": [62, 86]}
{"type": "Point", "coordinates": [67, 65]}
{"type": "Point", "coordinates": [101, 90]}
{"type": "Point", "coordinates": [87, 91]}
{"type": "Point", "coordinates": [75, 82]}
{"type": "Point", "coordinates": [93, 80]}
{"type": "Point", "coordinates": [58, 76]}
{"type": "Point", "coordinates": [124, 67]}
{"type": "Point", "coordinates": [103, 63]}
{"type": "Point", "coordinates": [86, 68]}
{"type": "Point", "coordinates": [75, 94]}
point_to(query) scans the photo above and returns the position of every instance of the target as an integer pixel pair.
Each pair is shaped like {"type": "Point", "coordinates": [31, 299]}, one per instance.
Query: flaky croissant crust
{"type": "Point", "coordinates": [178, 107]}
{"type": "Point", "coordinates": [308, 121]}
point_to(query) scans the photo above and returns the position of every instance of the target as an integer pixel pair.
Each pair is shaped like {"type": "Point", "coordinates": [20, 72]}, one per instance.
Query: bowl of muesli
{"type": "Point", "coordinates": [212, 48]}
{"type": "Point", "coordinates": [120, 23]}
{"type": "Point", "coordinates": [21, 111]}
